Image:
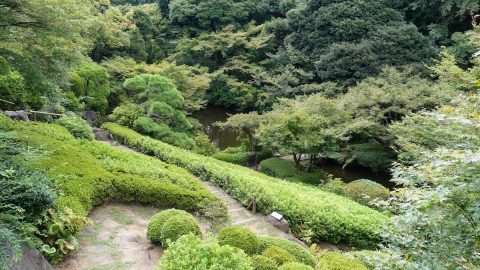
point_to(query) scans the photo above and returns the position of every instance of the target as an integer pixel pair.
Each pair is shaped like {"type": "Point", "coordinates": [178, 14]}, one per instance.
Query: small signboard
{"type": "Point", "coordinates": [276, 215]}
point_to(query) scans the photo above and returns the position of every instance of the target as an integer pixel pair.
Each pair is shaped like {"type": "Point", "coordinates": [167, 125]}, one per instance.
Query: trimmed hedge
{"type": "Point", "coordinates": [155, 225]}
{"type": "Point", "coordinates": [239, 237]}
{"type": "Point", "coordinates": [191, 253]}
{"type": "Point", "coordinates": [278, 255]}
{"type": "Point", "coordinates": [338, 261]}
{"type": "Point", "coordinates": [278, 167]}
{"type": "Point", "coordinates": [177, 226]}
{"type": "Point", "coordinates": [261, 262]}
{"type": "Point", "coordinates": [301, 254]}
{"type": "Point", "coordinates": [239, 156]}
{"type": "Point", "coordinates": [78, 127]}
{"type": "Point", "coordinates": [364, 191]}
{"type": "Point", "coordinates": [295, 266]}
{"type": "Point", "coordinates": [328, 216]}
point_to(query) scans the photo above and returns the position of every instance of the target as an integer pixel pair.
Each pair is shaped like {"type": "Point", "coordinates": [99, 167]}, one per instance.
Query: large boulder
{"type": "Point", "coordinates": [90, 116]}
{"type": "Point", "coordinates": [22, 115]}
{"type": "Point", "coordinates": [31, 259]}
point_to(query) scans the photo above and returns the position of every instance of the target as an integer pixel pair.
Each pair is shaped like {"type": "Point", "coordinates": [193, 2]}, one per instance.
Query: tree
{"type": "Point", "coordinates": [346, 41]}
{"type": "Point", "coordinates": [246, 124]}
{"type": "Point", "coordinates": [310, 125]}
{"type": "Point", "coordinates": [43, 39]}
{"type": "Point", "coordinates": [90, 83]}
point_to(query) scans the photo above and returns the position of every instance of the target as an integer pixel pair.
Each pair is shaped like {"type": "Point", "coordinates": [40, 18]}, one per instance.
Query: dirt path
{"type": "Point", "coordinates": [115, 241]}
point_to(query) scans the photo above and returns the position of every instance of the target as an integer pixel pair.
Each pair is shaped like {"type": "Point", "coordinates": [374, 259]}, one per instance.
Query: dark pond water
{"type": "Point", "coordinates": [223, 138]}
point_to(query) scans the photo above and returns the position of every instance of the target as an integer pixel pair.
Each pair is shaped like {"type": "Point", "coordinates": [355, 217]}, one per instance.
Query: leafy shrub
{"type": "Point", "coordinates": [148, 126]}
{"type": "Point", "coordinates": [191, 253]}
{"type": "Point", "coordinates": [203, 145]}
{"type": "Point", "coordinates": [155, 225]}
{"type": "Point", "coordinates": [77, 126]}
{"type": "Point", "coordinates": [364, 191]}
{"type": "Point", "coordinates": [261, 262]}
{"type": "Point", "coordinates": [278, 254]}
{"type": "Point", "coordinates": [231, 155]}
{"type": "Point", "coordinates": [239, 237]}
{"type": "Point", "coordinates": [329, 217]}
{"type": "Point", "coordinates": [177, 226]}
{"type": "Point", "coordinates": [338, 261]}
{"type": "Point", "coordinates": [334, 185]}
{"type": "Point", "coordinates": [370, 155]}
{"type": "Point", "coordinates": [278, 167]}
{"type": "Point", "coordinates": [301, 254]}
{"type": "Point", "coordinates": [127, 114]}
{"type": "Point", "coordinates": [294, 266]}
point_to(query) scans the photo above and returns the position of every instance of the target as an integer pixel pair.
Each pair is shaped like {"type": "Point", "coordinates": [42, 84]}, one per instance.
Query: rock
{"type": "Point", "coordinates": [23, 115]}
{"type": "Point", "coordinates": [31, 259]}
{"type": "Point", "coordinates": [100, 135]}
{"type": "Point", "coordinates": [70, 113]}
{"type": "Point", "coordinates": [282, 224]}
{"type": "Point", "coordinates": [12, 114]}
{"type": "Point", "coordinates": [90, 116]}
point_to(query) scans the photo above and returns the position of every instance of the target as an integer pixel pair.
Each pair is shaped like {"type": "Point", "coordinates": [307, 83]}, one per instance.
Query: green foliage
{"type": "Point", "coordinates": [155, 225]}
{"type": "Point", "coordinates": [364, 191]}
{"type": "Point", "coordinates": [177, 226]}
{"type": "Point", "coordinates": [261, 262]}
{"type": "Point", "coordinates": [12, 85]}
{"type": "Point", "coordinates": [334, 185]}
{"type": "Point", "coordinates": [278, 167]}
{"type": "Point", "coordinates": [301, 254]}
{"type": "Point", "coordinates": [189, 252]}
{"type": "Point", "coordinates": [338, 261]}
{"type": "Point", "coordinates": [152, 88]}
{"type": "Point", "coordinates": [329, 217]}
{"type": "Point", "coordinates": [127, 114]}
{"type": "Point", "coordinates": [77, 126]}
{"type": "Point", "coordinates": [235, 155]}
{"type": "Point", "coordinates": [278, 254]}
{"type": "Point", "coordinates": [294, 266]}
{"type": "Point", "coordinates": [91, 85]}
{"type": "Point", "coordinates": [203, 145]}
{"type": "Point", "coordinates": [239, 237]}
{"type": "Point", "coordinates": [341, 44]}
{"type": "Point", "coordinates": [369, 155]}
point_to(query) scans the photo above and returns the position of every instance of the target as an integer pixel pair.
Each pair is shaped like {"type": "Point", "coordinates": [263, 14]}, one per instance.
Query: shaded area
{"type": "Point", "coordinates": [223, 138]}
{"type": "Point", "coordinates": [354, 172]}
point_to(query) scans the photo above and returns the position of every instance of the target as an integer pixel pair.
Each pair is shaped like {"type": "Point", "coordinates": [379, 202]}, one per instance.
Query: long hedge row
{"type": "Point", "coordinates": [309, 210]}
{"type": "Point", "coordinates": [89, 173]}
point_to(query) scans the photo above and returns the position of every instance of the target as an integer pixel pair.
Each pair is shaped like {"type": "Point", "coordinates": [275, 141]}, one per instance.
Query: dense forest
{"type": "Point", "coordinates": [390, 87]}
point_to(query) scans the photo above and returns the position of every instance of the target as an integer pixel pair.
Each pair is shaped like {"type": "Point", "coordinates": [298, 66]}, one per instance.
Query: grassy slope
{"type": "Point", "coordinates": [309, 210]}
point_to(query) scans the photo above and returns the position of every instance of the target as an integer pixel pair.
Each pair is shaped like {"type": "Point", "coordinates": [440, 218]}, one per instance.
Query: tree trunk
{"type": "Point", "coordinates": [253, 143]}
{"type": "Point", "coordinates": [313, 157]}
{"type": "Point", "coordinates": [297, 161]}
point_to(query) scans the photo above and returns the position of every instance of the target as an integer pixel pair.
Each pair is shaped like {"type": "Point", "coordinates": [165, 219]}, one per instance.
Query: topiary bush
{"type": "Point", "coordinates": [190, 252]}
{"type": "Point", "coordinates": [177, 226]}
{"type": "Point", "coordinates": [239, 237]}
{"type": "Point", "coordinates": [301, 254]}
{"type": "Point", "coordinates": [279, 255]}
{"type": "Point", "coordinates": [261, 262]}
{"type": "Point", "coordinates": [155, 225]}
{"type": "Point", "coordinates": [338, 261]}
{"type": "Point", "coordinates": [294, 266]}
{"type": "Point", "coordinates": [77, 126]}
{"type": "Point", "coordinates": [364, 191]}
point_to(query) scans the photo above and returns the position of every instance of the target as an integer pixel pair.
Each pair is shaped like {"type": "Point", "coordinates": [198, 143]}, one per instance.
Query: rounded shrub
{"type": "Point", "coordinates": [261, 262]}
{"type": "Point", "coordinates": [190, 252]}
{"type": "Point", "coordinates": [154, 230]}
{"type": "Point", "coordinates": [295, 266]}
{"type": "Point", "coordinates": [239, 237]}
{"type": "Point", "coordinates": [364, 191]}
{"type": "Point", "coordinates": [177, 226]}
{"type": "Point", "coordinates": [300, 253]}
{"type": "Point", "coordinates": [278, 254]}
{"type": "Point", "coordinates": [77, 126]}
{"type": "Point", "coordinates": [338, 261]}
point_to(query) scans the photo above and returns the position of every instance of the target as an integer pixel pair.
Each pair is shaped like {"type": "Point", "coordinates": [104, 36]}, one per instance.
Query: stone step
{"type": "Point", "coordinates": [244, 221]}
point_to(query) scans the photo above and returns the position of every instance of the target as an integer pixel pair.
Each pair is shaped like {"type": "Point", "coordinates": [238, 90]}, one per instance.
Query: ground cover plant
{"type": "Point", "coordinates": [88, 173]}
{"type": "Point", "coordinates": [324, 215]}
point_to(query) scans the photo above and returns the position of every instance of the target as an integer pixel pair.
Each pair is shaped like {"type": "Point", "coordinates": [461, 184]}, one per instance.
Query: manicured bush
{"type": "Point", "coordinates": [329, 217]}
{"type": "Point", "coordinates": [191, 253]}
{"type": "Point", "coordinates": [156, 222]}
{"type": "Point", "coordinates": [239, 237]}
{"type": "Point", "coordinates": [127, 114]}
{"type": "Point", "coordinates": [77, 126]}
{"type": "Point", "coordinates": [231, 156]}
{"type": "Point", "coordinates": [278, 254]}
{"type": "Point", "coordinates": [301, 254]}
{"type": "Point", "coordinates": [295, 266]}
{"type": "Point", "coordinates": [278, 167]}
{"type": "Point", "coordinates": [177, 226]}
{"type": "Point", "coordinates": [338, 261]}
{"type": "Point", "coordinates": [261, 262]}
{"type": "Point", "coordinates": [364, 191]}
